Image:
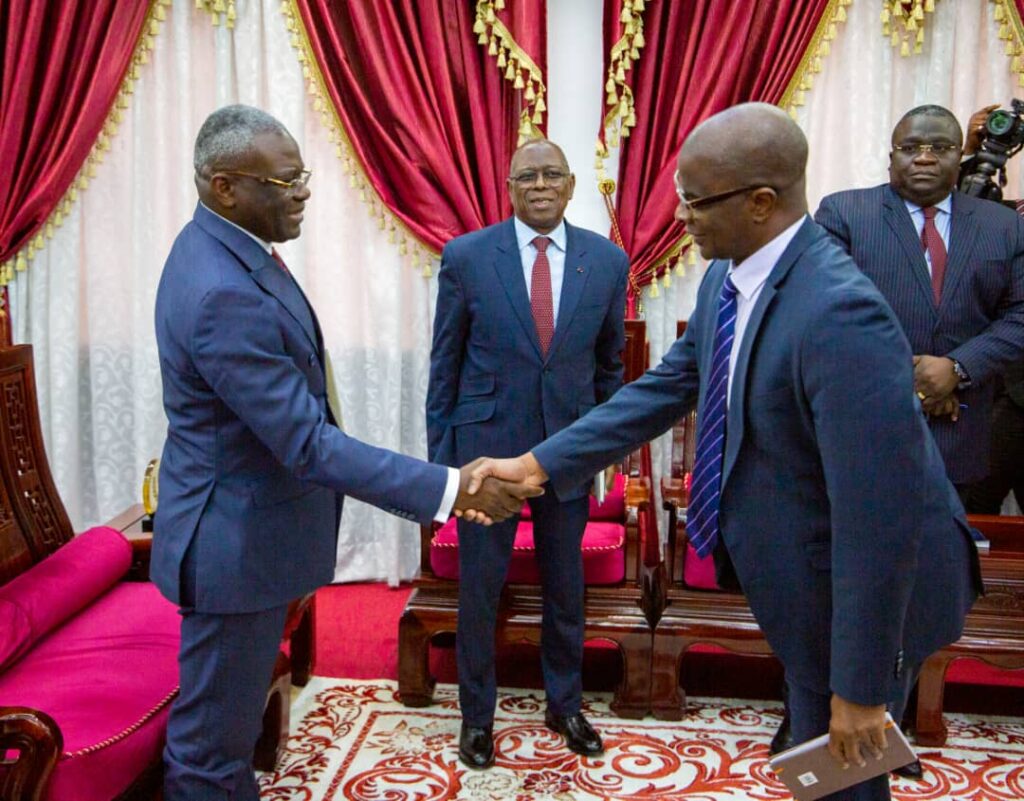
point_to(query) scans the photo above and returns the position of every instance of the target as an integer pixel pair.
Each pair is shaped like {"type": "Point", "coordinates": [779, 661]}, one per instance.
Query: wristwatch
{"type": "Point", "coordinates": [962, 377]}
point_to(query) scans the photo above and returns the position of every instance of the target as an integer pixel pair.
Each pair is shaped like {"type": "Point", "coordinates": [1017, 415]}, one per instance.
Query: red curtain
{"type": "Point", "coordinates": [700, 56]}
{"type": "Point", "coordinates": [63, 62]}
{"type": "Point", "coordinates": [427, 111]}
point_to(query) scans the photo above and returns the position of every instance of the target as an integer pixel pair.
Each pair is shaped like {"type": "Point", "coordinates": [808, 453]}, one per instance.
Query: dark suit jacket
{"type": "Point", "coordinates": [491, 392]}
{"type": "Point", "coordinates": [980, 321]}
{"type": "Point", "coordinates": [254, 468]}
{"type": "Point", "coordinates": [845, 533]}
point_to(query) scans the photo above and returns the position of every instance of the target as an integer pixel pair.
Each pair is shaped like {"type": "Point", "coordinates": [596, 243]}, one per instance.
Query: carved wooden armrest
{"type": "Point", "coordinates": [638, 492]}
{"type": "Point", "coordinates": [38, 740]}
{"type": "Point", "coordinates": [673, 493]}
{"type": "Point", "coordinates": [129, 523]}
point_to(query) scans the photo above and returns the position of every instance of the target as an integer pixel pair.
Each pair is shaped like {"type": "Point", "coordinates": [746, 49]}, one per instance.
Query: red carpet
{"type": "Point", "coordinates": [357, 638]}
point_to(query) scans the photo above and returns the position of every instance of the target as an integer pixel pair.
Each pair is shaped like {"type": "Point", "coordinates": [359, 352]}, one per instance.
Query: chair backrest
{"type": "Point", "coordinates": [33, 521]}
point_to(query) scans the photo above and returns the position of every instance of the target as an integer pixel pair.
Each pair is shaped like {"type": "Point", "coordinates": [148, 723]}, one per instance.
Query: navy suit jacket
{"type": "Point", "coordinates": [254, 471]}
{"type": "Point", "coordinates": [845, 534]}
{"type": "Point", "coordinates": [980, 319]}
{"type": "Point", "coordinates": [491, 391]}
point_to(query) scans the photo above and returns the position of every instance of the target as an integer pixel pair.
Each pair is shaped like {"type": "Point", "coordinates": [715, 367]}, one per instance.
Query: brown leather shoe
{"type": "Point", "coordinates": [578, 733]}
{"type": "Point", "coordinates": [476, 746]}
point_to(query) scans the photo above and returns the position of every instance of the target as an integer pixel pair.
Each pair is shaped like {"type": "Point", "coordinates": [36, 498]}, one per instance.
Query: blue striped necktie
{"type": "Point", "coordinates": [702, 513]}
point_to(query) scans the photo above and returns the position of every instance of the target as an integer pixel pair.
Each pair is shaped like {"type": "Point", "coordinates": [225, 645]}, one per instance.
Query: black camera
{"type": "Point", "coordinates": [1002, 138]}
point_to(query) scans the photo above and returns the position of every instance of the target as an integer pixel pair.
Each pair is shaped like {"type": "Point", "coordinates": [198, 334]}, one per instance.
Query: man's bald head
{"type": "Point", "coordinates": [741, 177]}
{"type": "Point", "coordinates": [752, 144]}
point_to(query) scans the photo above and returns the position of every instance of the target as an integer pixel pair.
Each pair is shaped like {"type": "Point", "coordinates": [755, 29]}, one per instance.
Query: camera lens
{"type": "Point", "coordinates": [999, 122]}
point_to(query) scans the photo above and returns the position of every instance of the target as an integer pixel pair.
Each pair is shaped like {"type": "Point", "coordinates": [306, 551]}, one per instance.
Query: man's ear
{"type": "Point", "coordinates": [222, 189]}
{"type": "Point", "coordinates": [763, 202]}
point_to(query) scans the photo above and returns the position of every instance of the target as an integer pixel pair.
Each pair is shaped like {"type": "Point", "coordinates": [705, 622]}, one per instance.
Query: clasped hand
{"type": "Point", "coordinates": [492, 490]}
{"type": "Point", "coordinates": [935, 382]}
{"type": "Point", "coordinates": [487, 496]}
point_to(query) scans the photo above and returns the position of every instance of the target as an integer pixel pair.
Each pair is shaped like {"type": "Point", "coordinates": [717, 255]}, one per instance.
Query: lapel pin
{"type": "Point", "coordinates": [579, 269]}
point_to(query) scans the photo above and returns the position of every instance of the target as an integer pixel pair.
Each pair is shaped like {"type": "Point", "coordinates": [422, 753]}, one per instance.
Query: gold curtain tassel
{"type": "Point", "coordinates": [638, 40]}
{"type": "Point", "coordinates": [519, 81]}
{"type": "Point", "coordinates": [510, 71]}
{"type": "Point", "coordinates": [905, 48]}
{"type": "Point", "coordinates": [21, 263]}
{"type": "Point", "coordinates": [501, 58]}
{"type": "Point", "coordinates": [530, 94]}
{"type": "Point", "coordinates": [840, 14]}
{"type": "Point", "coordinates": [653, 291]}
{"type": "Point", "coordinates": [541, 105]}
{"type": "Point", "coordinates": [479, 26]}
{"type": "Point", "coordinates": [666, 279]}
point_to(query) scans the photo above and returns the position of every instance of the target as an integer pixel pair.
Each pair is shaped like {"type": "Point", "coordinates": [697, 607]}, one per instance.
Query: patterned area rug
{"type": "Point", "coordinates": [352, 740]}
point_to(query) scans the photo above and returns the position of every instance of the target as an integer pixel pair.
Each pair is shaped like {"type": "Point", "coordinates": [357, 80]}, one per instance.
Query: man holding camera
{"type": "Point", "coordinates": [952, 268]}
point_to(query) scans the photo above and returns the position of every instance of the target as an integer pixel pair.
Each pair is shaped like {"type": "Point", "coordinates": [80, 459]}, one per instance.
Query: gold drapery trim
{"type": "Point", "coordinates": [819, 48]}
{"type": "Point", "coordinates": [621, 114]}
{"type": "Point", "coordinates": [903, 20]}
{"type": "Point", "coordinates": [793, 97]}
{"type": "Point", "coordinates": [418, 254]}
{"type": "Point", "coordinates": [1011, 31]}
{"type": "Point", "coordinates": [20, 261]}
{"type": "Point", "coordinates": [219, 11]}
{"type": "Point", "coordinates": [519, 68]}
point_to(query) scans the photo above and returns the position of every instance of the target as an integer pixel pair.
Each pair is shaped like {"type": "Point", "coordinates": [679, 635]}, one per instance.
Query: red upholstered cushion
{"type": "Point", "coordinates": [613, 509]}
{"type": "Point", "coordinates": [107, 677]}
{"type": "Point", "coordinates": [43, 597]}
{"type": "Point", "coordinates": [604, 557]}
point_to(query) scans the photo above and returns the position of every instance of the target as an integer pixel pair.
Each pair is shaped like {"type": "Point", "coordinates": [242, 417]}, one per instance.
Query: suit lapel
{"type": "Point", "coordinates": [264, 270]}
{"type": "Point", "coordinates": [509, 266]}
{"type": "Point", "coordinates": [736, 414]}
{"type": "Point", "coordinates": [963, 230]}
{"type": "Point", "coordinates": [574, 279]}
{"type": "Point", "coordinates": [898, 219]}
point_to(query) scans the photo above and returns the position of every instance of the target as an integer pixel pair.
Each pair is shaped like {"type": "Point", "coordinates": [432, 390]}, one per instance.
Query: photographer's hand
{"type": "Point", "coordinates": [975, 131]}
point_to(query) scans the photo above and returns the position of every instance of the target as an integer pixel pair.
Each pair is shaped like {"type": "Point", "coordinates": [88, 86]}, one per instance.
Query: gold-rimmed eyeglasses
{"type": "Point", "coordinates": [917, 148]}
{"type": "Point", "coordinates": [552, 178]}
{"type": "Point", "coordinates": [295, 183]}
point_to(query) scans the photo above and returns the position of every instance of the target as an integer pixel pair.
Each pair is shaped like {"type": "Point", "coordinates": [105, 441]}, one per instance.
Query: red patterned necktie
{"type": "Point", "coordinates": [540, 294]}
{"type": "Point", "coordinates": [279, 260]}
{"type": "Point", "coordinates": [931, 239]}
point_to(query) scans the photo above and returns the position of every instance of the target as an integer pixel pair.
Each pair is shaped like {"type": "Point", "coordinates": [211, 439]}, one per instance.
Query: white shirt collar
{"type": "Point", "coordinates": [754, 269]}
{"type": "Point", "coordinates": [265, 245]}
{"type": "Point", "coordinates": [946, 205]}
{"type": "Point", "coordinates": [525, 234]}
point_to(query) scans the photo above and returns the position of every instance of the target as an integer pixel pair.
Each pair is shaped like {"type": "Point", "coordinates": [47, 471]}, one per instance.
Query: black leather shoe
{"type": "Point", "coordinates": [578, 733]}
{"type": "Point", "coordinates": [783, 738]}
{"type": "Point", "coordinates": [912, 770]}
{"type": "Point", "coordinates": [476, 746]}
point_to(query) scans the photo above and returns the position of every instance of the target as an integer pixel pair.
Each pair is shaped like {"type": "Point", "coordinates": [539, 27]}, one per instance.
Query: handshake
{"type": "Point", "coordinates": [492, 490]}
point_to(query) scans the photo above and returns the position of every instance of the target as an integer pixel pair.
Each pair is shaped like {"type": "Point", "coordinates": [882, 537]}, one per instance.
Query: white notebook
{"type": "Point", "coordinates": [810, 771]}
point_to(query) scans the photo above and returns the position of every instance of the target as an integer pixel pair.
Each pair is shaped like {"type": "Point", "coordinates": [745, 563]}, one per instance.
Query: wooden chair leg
{"type": "Point", "coordinates": [668, 700]}
{"type": "Point", "coordinates": [415, 684]}
{"type": "Point", "coordinates": [633, 695]}
{"type": "Point", "coordinates": [930, 729]}
{"type": "Point", "coordinates": [302, 648]}
{"type": "Point", "coordinates": [276, 717]}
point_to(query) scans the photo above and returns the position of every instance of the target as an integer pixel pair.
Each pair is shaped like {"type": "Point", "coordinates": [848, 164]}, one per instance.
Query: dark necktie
{"type": "Point", "coordinates": [702, 512]}
{"type": "Point", "coordinates": [931, 239]}
{"type": "Point", "coordinates": [540, 295]}
{"type": "Point", "coordinates": [279, 260]}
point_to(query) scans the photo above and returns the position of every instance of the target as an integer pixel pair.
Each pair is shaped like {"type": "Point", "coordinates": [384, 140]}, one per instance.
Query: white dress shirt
{"type": "Point", "coordinates": [943, 222]}
{"type": "Point", "coordinates": [451, 490]}
{"type": "Point", "coordinates": [556, 258]}
{"type": "Point", "coordinates": [749, 278]}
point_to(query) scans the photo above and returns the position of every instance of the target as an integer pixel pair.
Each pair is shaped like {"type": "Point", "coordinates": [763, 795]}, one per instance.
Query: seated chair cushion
{"type": "Point", "coordinates": [613, 509]}
{"type": "Point", "coordinates": [107, 677]}
{"type": "Point", "coordinates": [55, 589]}
{"type": "Point", "coordinates": [604, 555]}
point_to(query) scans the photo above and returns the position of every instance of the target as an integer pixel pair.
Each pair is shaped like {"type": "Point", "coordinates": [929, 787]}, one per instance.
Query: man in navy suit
{"type": "Point", "coordinates": [824, 491]}
{"type": "Point", "coordinates": [958, 292]}
{"type": "Point", "coordinates": [254, 470]}
{"type": "Point", "coordinates": [528, 337]}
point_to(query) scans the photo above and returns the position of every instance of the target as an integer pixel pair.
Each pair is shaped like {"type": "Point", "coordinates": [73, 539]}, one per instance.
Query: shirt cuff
{"type": "Point", "coordinates": [451, 492]}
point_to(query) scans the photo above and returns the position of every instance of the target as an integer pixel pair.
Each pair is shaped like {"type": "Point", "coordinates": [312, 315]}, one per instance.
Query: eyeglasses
{"type": "Point", "coordinates": [694, 203]}
{"type": "Point", "coordinates": [917, 148]}
{"type": "Point", "coordinates": [295, 183]}
{"type": "Point", "coordinates": [552, 178]}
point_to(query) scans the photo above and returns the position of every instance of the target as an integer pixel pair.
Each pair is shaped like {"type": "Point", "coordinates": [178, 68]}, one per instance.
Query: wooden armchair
{"type": "Point", "coordinates": [691, 616]}
{"type": "Point", "coordinates": [994, 631]}
{"type": "Point", "coordinates": [621, 611]}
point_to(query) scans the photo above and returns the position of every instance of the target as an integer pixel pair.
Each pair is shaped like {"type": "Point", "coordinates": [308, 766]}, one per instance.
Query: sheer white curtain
{"type": "Point", "coordinates": [86, 303]}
